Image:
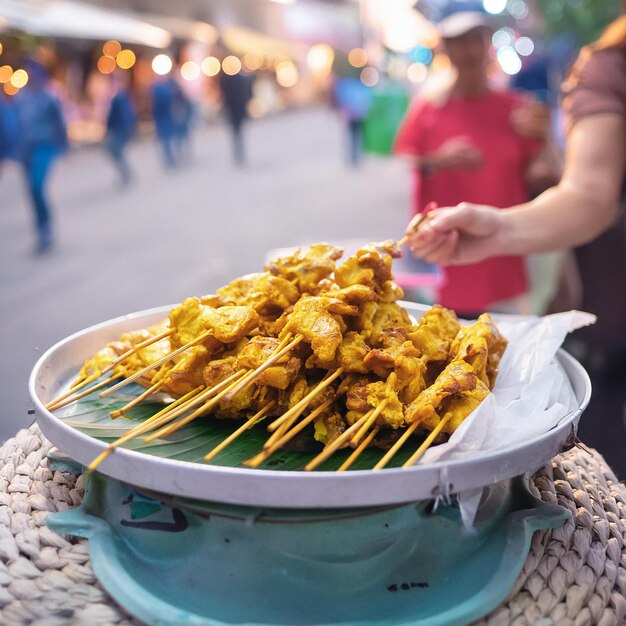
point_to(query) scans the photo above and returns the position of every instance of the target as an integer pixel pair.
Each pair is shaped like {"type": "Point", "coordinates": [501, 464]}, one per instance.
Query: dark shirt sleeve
{"type": "Point", "coordinates": [600, 88]}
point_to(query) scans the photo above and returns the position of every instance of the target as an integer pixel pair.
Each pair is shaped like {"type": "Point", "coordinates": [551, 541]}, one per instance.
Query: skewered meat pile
{"type": "Point", "coordinates": [324, 349]}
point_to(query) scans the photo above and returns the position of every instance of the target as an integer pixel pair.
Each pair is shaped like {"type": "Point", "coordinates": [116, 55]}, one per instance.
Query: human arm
{"type": "Point", "coordinates": [575, 211]}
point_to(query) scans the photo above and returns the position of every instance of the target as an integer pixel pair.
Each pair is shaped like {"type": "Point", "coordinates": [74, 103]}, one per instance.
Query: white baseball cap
{"type": "Point", "coordinates": [462, 22]}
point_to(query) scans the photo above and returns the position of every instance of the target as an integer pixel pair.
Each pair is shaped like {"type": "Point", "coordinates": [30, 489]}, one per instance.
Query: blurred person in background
{"type": "Point", "coordinates": [582, 210]}
{"type": "Point", "coordinates": [183, 113]}
{"type": "Point", "coordinates": [121, 125]}
{"type": "Point", "coordinates": [463, 142]}
{"type": "Point", "coordinates": [354, 100]}
{"type": "Point", "coordinates": [164, 93]}
{"type": "Point", "coordinates": [42, 138]}
{"type": "Point", "coordinates": [236, 93]}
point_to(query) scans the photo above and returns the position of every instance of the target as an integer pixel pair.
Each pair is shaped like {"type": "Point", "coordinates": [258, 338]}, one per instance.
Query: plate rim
{"type": "Point", "coordinates": [296, 488]}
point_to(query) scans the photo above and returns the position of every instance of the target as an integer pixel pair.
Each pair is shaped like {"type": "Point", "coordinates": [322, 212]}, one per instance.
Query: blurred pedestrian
{"type": "Point", "coordinates": [354, 100]}
{"type": "Point", "coordinates": [463, 143]}
{"type": "Point", "coordinates": [121, 125]}
{"type": "Point", "coordinates": [42, 139]}
{"type": "Point", "coordinates": [236, 91]}
{"type": "Point", "coordinates": [163, 94]}
{"type": "Point", "coordinates": [183, 113]}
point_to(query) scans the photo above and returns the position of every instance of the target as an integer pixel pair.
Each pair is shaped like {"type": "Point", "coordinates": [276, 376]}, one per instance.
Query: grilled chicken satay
{"type": "Point", "coordinates": [457, 390]}
{"type": "Point", "coordinates": [482, 346]}
{"type": "Point", "coordinates": [306, 270]}
{"type": "Point", "coordinates": [265, 293]}
{"type": "Point", "coordinates": [366, 394]}
{"type": "Point", "coordinates": [435, 332]}
{"type": "Point", "coordinates": [93, 367]}
{"type": "Point", "coordinates": [319, 320]}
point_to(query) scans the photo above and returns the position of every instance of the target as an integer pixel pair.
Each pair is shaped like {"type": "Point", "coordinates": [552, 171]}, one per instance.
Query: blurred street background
{"type": "Point", "coordinates": [259, 153]}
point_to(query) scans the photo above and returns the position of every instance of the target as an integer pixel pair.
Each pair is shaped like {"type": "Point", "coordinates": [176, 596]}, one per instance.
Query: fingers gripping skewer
{"type": "Point", "coordinates": [144, 427]}
{"type": "Point", "coordinates": [137, 348]}
{"type": "Point", "coordinates": [357, 453]}
{"type": "Point", "coordinates": [265, 454]}
{"type": "Point", "coordinates": [280, 351]}
{"type": "Point", "coordinates": [255, 419]}
{"type": "Point", "coordinates": [418, 221]}
{"type": "Point", "coordinates": [418, 453]}
{"type": "Point", "coordinates": [156, 364]}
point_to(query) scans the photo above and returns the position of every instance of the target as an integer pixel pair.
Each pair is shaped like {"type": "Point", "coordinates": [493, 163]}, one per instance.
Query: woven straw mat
{"type": "Point", "coordinates": [573, 576]}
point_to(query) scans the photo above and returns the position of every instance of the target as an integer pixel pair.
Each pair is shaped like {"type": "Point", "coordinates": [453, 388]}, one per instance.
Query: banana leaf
{"type": "Point", "coordinates": [91, 415]}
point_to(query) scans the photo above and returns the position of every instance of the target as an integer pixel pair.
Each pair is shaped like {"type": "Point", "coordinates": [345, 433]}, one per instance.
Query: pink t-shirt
{"type": "Point", "coordinates": [485, 122]}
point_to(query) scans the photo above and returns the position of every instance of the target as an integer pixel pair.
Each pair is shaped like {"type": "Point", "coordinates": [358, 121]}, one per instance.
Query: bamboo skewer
{"type": "Point", "coordinates": [68, 400]}
{"type": "Point", "coordinates": [335, 444]}
{"type": "Point", "coordinates": [397, 445]}
{"type": "Point", "coordinates": [137, 348]}
{"type": "Point", "coordinates": [223, 388]}
{"type": "Point", "coordinates": [256, 460]}
{"type": "Point", "coordinates": [418, 453]}
{"type": "Point", "coordinates": [135, 401]}
{"type": "Point", "coordinates": [167, 357]}
{"type": "Point", "coordinates": [368, 424]}
{"type": "Point", "coordinates": [255, 419]}
{"type": "Point", "coordinates": [357, 453]}
{"type": "Point", "coordinates": [306, 400]}
{"type": "Point", "coordinates": [277, 354]}
{"type": "Point", "coordinates": [73, 389]}
{"type": "Point", "coordinates": [149, 424]}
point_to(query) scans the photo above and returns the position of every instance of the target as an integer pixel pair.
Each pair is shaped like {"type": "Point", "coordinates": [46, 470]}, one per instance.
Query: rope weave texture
{"type": "Point", "coordinates": [573, 576]}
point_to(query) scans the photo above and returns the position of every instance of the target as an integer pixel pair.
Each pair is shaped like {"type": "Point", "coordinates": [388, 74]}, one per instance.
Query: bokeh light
{"type": "Point", "coordinates": [518, 9]}
{"type": "Point", "coordinates": [286, 74]}
{"type": "Point", "coordinates": [10, 89]}
{"type": "Point", "coordinates": [441, 63]}
{"type": "Point", "coordinates": [106, 64]}
{"type": "Point", "coordinates": [190, 70]}
{"type": "Point", "coordinates": [210, 66]}
{"type": "Point", "coordinates": [6, 71]}
{"type": "Point", "coordinates": [417, 73]}
{"type": "Point", "coordinates": [125, 59]}
{"type": "Point", "coordinates": [320, 58]}
{"type": "Point", "coordinates": [252, 61]}
{"type": "Point", "coordinates": [231, 65]}
{"type": "Point", "coordinates": [357, 57]}
{"type": "Point", "coordinates": [19, 79]}
{"type": "Point", "coordinates": [503, 37]}
{"type": "Point", "coordinates": [111, 48]}
{"type": "Point", "coordinates": [422, 54]}
{"type": "Point", "coordinates": [525, 46]}
{"type": "Point", "coordinates": [1, 48]}
{"type": "Point", "coordinates": [494, 6]}
{"type": "Point", "coordinates": [509, 61]}
{"type": "Point", "coordinates": [161, 64]}
{"type": "Point", "coordinates": [370, 76]}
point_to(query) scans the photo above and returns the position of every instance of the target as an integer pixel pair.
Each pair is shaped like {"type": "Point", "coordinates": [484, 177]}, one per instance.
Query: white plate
{"type": "Point", "coordinates": [283, 489]}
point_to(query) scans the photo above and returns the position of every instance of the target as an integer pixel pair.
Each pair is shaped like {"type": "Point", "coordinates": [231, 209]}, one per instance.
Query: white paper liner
{"type": "Point", "coordinates": [532, 393]}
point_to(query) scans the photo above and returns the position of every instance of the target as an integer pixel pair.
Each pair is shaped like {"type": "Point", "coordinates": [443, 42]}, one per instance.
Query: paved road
{"type": "Point", "coordinates": [175, 234]}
